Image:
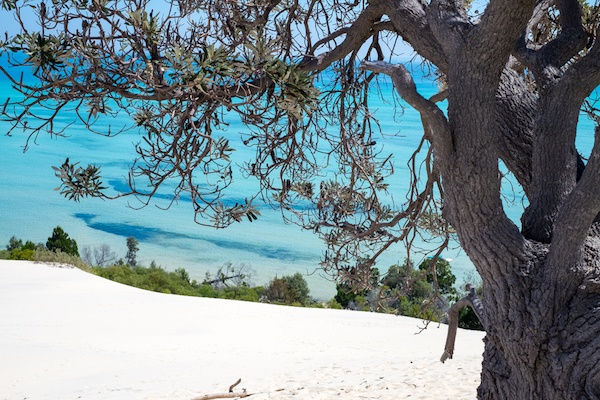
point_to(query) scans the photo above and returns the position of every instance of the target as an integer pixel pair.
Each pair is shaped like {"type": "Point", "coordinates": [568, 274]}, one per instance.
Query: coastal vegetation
{"type": "Point", "coordinates": [403, 290]}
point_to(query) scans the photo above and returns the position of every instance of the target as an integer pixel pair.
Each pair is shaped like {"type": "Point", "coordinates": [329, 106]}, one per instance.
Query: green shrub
{"type": "Point", "coordinates": [22, 254]}
{"type": "Point", "coordinates": [333, 304]}
{"type": "Point", "coordinates": [178, 282]}
{"type": "Point", "coordinates": [288, 290]}
{"type": "Point", "coordinates": [241, 293]}
{"type": "Point", "coordinates": [16, 250]}
{"type": "Point", "coordinates": [346, 295]}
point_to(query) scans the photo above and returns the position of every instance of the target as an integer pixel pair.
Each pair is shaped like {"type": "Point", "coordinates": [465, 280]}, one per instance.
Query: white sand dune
{"type": "Point", "coordinates": [66, 334]}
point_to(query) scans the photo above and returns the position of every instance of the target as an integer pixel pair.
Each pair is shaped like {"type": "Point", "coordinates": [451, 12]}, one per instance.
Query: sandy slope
{"type": "Point", "coordinates": [66, 334]}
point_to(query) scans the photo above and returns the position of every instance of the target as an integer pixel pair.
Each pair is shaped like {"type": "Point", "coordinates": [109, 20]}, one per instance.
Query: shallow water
{"type": "Point", "coordinates": [31, 208]}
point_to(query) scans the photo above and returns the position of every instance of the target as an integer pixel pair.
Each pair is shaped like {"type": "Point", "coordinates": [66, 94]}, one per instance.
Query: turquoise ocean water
{"type": "Point", "coordinates": [30, 207]}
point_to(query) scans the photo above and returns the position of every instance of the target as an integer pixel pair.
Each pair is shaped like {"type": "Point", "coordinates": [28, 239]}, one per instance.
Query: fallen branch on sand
{"type": "Point", "coordinates": [471, 300]}
{"type": "Point", "coordinates": [229, 395]}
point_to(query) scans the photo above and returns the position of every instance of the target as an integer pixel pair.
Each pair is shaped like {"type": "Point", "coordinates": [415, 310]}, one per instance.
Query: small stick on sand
{"type": "Point", "coordinates": [229, 395]}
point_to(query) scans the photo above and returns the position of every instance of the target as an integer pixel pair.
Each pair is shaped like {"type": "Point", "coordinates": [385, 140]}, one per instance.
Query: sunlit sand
{"type": "Point", "coordinates": [66, 334]}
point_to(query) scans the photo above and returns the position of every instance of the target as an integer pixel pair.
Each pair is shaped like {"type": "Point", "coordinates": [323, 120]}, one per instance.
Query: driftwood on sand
{"type": "Point", "coordinates": [229, 395]}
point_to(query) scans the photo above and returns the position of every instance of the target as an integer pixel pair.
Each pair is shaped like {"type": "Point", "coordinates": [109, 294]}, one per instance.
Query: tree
{"type": "Point", "coordinates": [60, 240]}
{"type": "Point", "coordinates": [289, 289]}
{"type": "Point", "coordinates": [515, 78]}
{"type": "Point", "coordinates": [14, 243]}
{"type": "Point", "coordinates": [132, 249]}
{"type": "Point", "coordinates": [98, 256]}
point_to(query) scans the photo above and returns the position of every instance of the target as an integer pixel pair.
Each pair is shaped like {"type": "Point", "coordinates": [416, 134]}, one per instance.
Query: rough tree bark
{"type": "Point", "coordinates": [542, 322]}
{"type": "Point", "coordinates": [541, 284]}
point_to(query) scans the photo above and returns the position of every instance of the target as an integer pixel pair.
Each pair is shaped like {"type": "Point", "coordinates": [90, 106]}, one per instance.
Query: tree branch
{"type": "Point", "coordinates": [547, 60]}
{"type": "Point", "coordinates": [578, 212]}
{"type": "Point", "coordinates": [495, 36]}
{"type": "Point", "coordinates": [434, 121]}
{"type": "Point", "coordinates": [356, 34]}
{"type": "Point", "coordinates": [555, 160]}
{"type": "Point", "coordinates": [583, 76]}
{"type": "Point", "coordinates": [409, 18]}
{"type": "Point", "coordinates": [471, 300]}
{"type": "Point", "coordinates": [449, 22]}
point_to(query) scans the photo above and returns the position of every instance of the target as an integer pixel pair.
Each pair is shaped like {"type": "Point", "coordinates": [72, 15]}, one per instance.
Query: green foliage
{"type": "Point", "coordinates": [78, 182]}
{"type": "Point", "coordinates": [155, 279]}
{"type": "Point", "coordinates": [23, 251]}
{"type": "Point", "coordinates": [60, 241]}
{"type": "Point", "coordinates": [159, 280]}
{"type": "Point", "coordinates": [16, 250]}
{"type": "Point", "coordinates": [467, 319]}
{"type": "Point", "coordinates": [183, 274]}
{"type": "Point", "coordinates": [346, 295]}
{"type": "Point", "coordinates": [333, 304]}
{"type": "Point", "coordinates": [349, 296]}
{"type": "Point", "coordinates": [132, 249]}
{"type": "Point", "coordinates": [290, 290]}
{"type": "Point", "coordinates": [399, 276]}
{"type": "Point", "coordinates": [416, 309]}
{"type": "Point", "coordinates": [44, 52]}
{"type": "Point", "coordinates": [242, 293]}
{"type": "Point", "coordinates": [22, 254]}
{"type": "Point", "coordinates": [445, 277]}
{"type": "Point", "coordinates": [29, 245]}
{"type": "Point", "coordinates": [9, 4]}
{"type": "Point", "coordinates": [403, 290]}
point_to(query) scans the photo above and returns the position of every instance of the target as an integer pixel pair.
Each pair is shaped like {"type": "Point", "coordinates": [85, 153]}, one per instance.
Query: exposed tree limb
{"type": "Point", "coordinates": [579, 210]}
{"type": "Point", "coordinates": [409, 18]}
{"type": "Point", "coordinates": [546, 59]}
{"type": "Point", "coordinates": [583, 76]}
{"type": "Point", "coordinates": [471, 300]}
{"type": "Point", "coordinates": [499, 28]}
{"type": "Point", "coordinates": [355, 35]}
{"type": "Point", "coordinates": [449, 22]}
{"type": "Point", "coordinates": [433, 118]}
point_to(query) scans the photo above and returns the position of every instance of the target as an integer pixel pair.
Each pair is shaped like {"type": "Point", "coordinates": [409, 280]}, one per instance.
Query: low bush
{"type": "Point", "coordinates": [42, 254]}
{"type": "Point", "coordinates": [159, 280]}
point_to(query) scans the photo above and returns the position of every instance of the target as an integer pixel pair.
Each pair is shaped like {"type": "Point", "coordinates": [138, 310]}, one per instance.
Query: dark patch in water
{"type": "Point", "coordinates": [159, 236]}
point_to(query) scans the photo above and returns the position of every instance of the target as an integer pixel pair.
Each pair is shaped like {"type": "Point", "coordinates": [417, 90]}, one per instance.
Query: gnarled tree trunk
{"type": "Point", "coordinates": [541, 288]}
{"type": "Point", "coordinates": [542, 321]}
